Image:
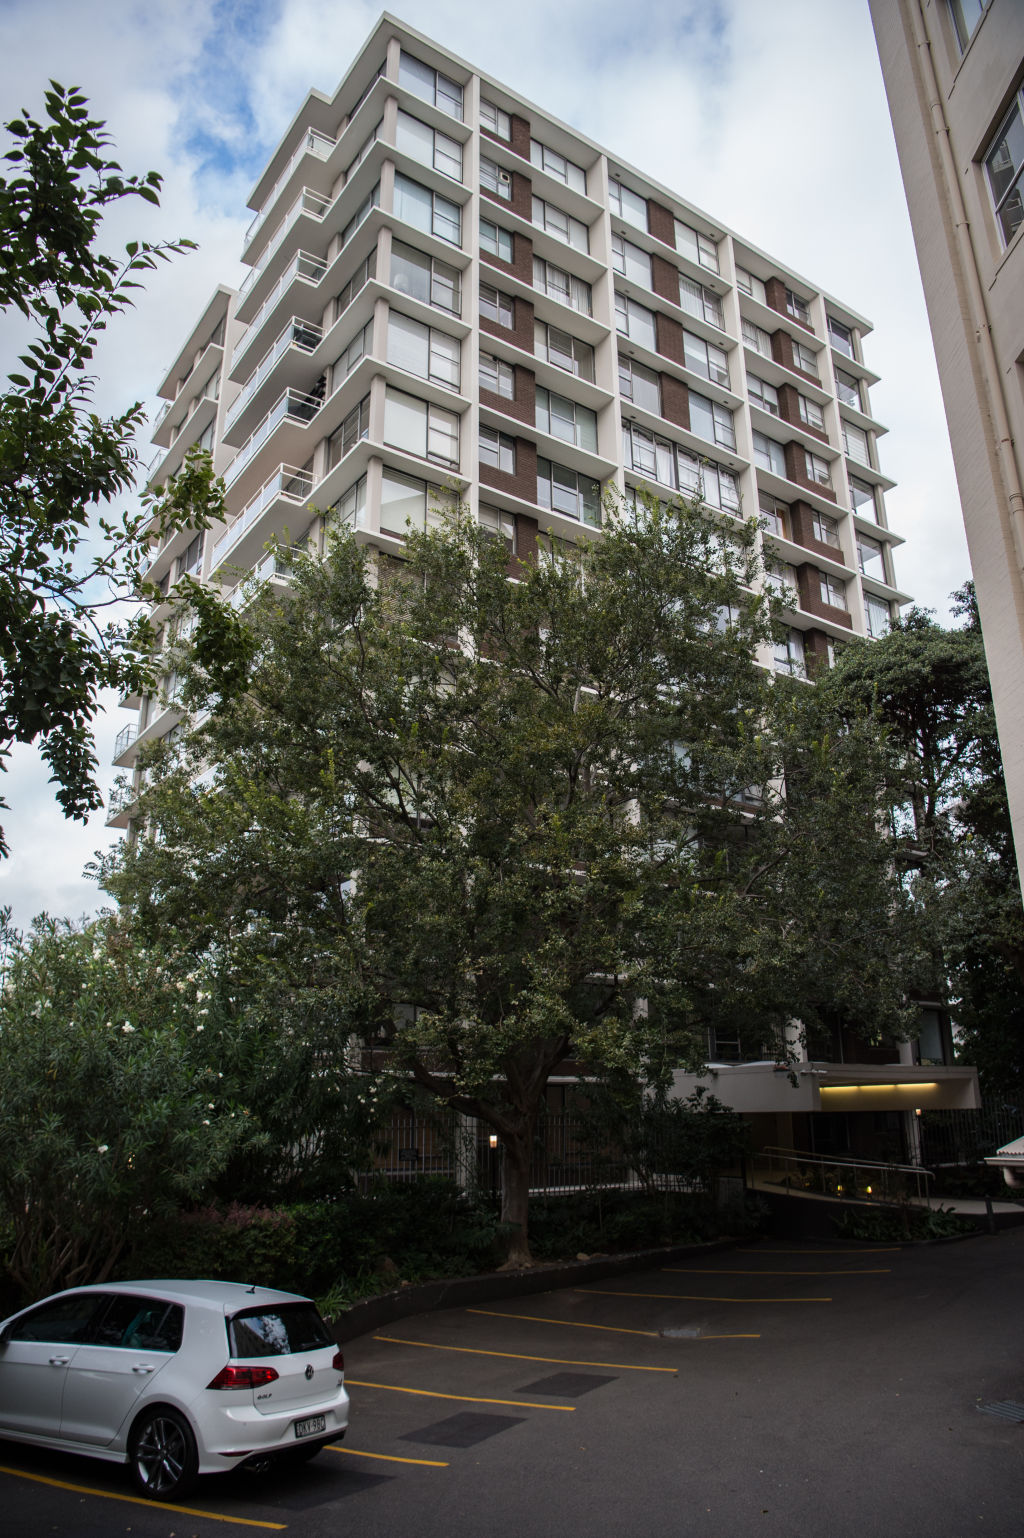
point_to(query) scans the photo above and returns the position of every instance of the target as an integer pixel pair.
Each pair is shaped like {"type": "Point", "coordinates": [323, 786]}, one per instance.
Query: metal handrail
{"type": "Point", "coordinates": [310, 202]}
{"type": "Point", "coordinates": [287, 481]}
{"type": "Point", "coordinates": [125, 737]}
{"type": "Point", "coordinates": [292, 335]}
{"type": "Point", "coordinates": [861, 1187]}
{"type": "Point", "coordinates": [314, 143]}
{"type": "Point", "coordinates": [316, 267]}
{"type": "Point", "coordinates": [279, 412]}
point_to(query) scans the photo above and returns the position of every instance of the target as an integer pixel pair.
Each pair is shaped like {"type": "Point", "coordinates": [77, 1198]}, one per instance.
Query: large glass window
{"type": "Point", "coordinates": [833, 590]}
{"type": "Point", "coordinates": [825, 529]}
{"type": "Point", "coordinates": [798, 308]}
{"type": "Point", "coordinates": [562, 286]}
{"type": "Point", "coordinates": [564, 351]}
{"type": "Point", "coordinates": [629, 206]}
{"type": "Point", "coordinates": [497, 450]}
{"type": "Point", "coordinates": [406, 501]}
{"type": "Point", "coordinates": [357, 348]}
{"type": "Point", "coordinates": [848, 389]}
{"type": "Point", "coordinates": [430, 85]}
{"type": "Point", "coordinates": [421, 428]}
{"type": "Point", "coordinates": [495, 120]}
{"type": "Point", "coordinates": [856, 444]}
{"type": "Point", "coordinates": [636, 321]}
{"type": "Point", "coordinates": [426, 278]}
{"type": "Point", "coordinates": [566, 419]}
{"type": "Point", "coordinates": [879, 615]}
{"type": "Point", "coordinates": [351, 505]}
{"type": "Point", "coordinates": [748, 284]}
{"type": "Point", "coordinates": [497, 241]}
{"type": "Point", "coordinates": [366, 270]}
{"type": "Point", "coordinates": [811, 413]}
{"type": "Point", "coordinates": [631, 261]}
{"type": "Point", "coordinates": [499, 525]}
{"type": "Point", "coordinates": [769, 454]}
{"type": "Point", "coordinates": [805, 359]}
{"type": "Point", "coordinates": [429, 146]}
{"type": "Point", "coordinates": [569, 492]}
{"type": "Point", "coordinates": [818, 469]}
{"type": "Point", "coordinates": [871, 557]}
{"type": "Point", "coordinates": [495, 179]}
{"type": "Point", "coordinates": [774, 513]}
{"type": "Point", "coordinates": [669, 463]}
{"type": "Point", "coordinates": [497, 376]}
{"type": "Point", "coordinates": [555, 221]}
{"type": "Point", "coordinates": [496, 306]}
{"type": "Point", "coordinates": [427, 210]}
{"type": "Point", "coordinates": [966, 16]}
{"type": "Point", "coordinates": [700, 301]}
{"type": "Point", "coordinates": [863, 498]}
{"type": "Point", "coordinates": [763, 394]}
{"type": "Point", "coordinates": [789, 655]}
{"type": "Point", "coordinates": [355, 426]}
{"type": "Point", "coordinates": [423, 350]}
{"type": "Point", "coordinates": [705, 359]}
{"type": "Point", "coordinates": [698, 247]}
{"type": "Point", "coordinates": [1004, 163]}
{"type": "Point", "coordinates": [841, 337]}
{"type": "Point", "coordinates": [640, 384]}
{"type": "Point", "coordinates": [557, 165]}
{"type": "Point", "coordinates": [757, 339]}
{"type": "Point", "coordinates": [710, 420]}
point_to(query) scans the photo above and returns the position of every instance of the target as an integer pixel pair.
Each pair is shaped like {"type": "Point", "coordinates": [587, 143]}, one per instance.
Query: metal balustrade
{"type": "Point", "coordinates": [294, 405]}
{"type": "Point", "coordinates": [313, 143]}
{"type": "Point", "coordinates": [124, 739]}
{"type": "Point", "coordinates": [843, 1179]}
{"type": "Point", "coordinates": [308, 202]}
{"type": "Point", "coordinates": [301, 334]}
{"type": "Point", "coordinates": [287, 481]}
{"type": "Point", "coordinates": [310, 268]}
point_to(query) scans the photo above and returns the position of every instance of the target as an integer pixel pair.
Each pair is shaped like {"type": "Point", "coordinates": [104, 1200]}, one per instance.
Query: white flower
{"type": "Point", "coordinates": [211, 1106]}
{"type": "Point", "coordinates": [205, 1122]}
{"type": "Point", "coordinates": [127, 1029]}
{"type": "Point", "coordinates": [200, 1027]}
{"type": "Point", "coordinates": [103, 1148]}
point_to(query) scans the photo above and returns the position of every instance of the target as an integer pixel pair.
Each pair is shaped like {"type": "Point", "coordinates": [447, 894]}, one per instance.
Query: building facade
{"type": "Point", "coordinates": [954, 75]}
{"type": "Point", "coordinates": [452, 293]}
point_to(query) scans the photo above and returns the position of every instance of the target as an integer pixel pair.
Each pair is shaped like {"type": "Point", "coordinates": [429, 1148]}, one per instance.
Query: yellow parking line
{"type": "Point", "coordinates": [707, 1271]}
{"type": "Point", "coordinates": [141, 1500]}
{"type": "Point", "coordinates": [571, 1324]}
{"type": "Point", "coordinates": [352, 1452]}
{"type": "Point", "coordinates": [516, 1356]}
{"type": "Point", "coordinates": [694, 1297]}
{"type": "Point", "coordinates": [885, 1249]}
{"type": "Point", "coordinates": [430, 1393]}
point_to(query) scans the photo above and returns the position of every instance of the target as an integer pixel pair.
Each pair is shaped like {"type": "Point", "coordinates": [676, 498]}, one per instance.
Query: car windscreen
{"type": "Point", "coordinates": [278, 1329]}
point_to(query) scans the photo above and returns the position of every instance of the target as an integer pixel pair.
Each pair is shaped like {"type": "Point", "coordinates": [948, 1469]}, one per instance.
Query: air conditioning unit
{"type": "Point", "coordinates": [505, 177]}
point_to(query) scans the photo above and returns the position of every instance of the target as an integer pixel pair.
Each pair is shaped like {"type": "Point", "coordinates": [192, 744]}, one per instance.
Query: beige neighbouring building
{"type": "Point", "coordinates": [954, 75]}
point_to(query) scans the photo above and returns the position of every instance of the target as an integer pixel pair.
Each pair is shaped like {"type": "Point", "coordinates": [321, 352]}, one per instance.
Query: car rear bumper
{"type": "Point", "coordinates": [228, 1436]}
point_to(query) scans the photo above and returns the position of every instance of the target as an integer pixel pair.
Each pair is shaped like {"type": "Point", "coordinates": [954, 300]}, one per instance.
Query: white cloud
{"type": "Point", "coordinates": [770, 117]}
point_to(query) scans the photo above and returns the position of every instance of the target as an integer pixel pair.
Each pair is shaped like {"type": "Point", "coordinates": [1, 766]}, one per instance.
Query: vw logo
{"type": "Point", "coordinates": [309, 1370]}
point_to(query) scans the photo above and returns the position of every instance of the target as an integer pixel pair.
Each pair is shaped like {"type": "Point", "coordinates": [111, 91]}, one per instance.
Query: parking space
{"type": "Point", "coordinates": [775, 1382]}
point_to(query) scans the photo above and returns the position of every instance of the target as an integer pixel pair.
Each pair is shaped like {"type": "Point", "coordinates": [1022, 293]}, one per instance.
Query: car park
{"type": "Point", "coordinates": [174, 1378]}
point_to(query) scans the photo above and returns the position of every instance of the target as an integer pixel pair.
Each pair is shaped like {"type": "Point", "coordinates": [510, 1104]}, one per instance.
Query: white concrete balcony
{"type": "Point", "coordinates": [767, 1087]}
{"type": "Point", "coordinates": [295, 343]}
{"type": "Point", "coordinates": [304, 216]}
{"type": "Point", "coordinates": [293, 409]}
{"type": "Point", "coordinates": [298, 287]}
{"type": "Point", "coordinates": [124, 742]}
{"type": "Point", "coordinates": [286, 492]}
{"type": "Point", "coordinates": [315, 144]}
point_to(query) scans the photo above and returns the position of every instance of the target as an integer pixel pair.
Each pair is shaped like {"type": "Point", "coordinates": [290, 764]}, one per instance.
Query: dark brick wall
{"type": "Point", "coordinates": [665, 279]}
{"type": "Point", "coordinates": [782, 352]}
{"type": "Point", "coordinates": [816, 651]}
{"type": "Point", "coordinates": [521, 200]}
{"type": "Point", "coordinates": [522, 482]}
{"type": "Point", "coordinates": [660, 223]}
{"type": "Point", "coordinates": [775, 294]}
{"type": "Point", "coordinates": [800, 521]}
{"type": "Point", "coordinates": [523, 405]}
{"type": "Point", "coordinates": [669, 337]}
{"type": "Point", "coordinates": [521, 332]}
{"type": "Point", "coordinates": [675, 401]}
{"type": "Point", "coordinates": [526, 544]}
{"type": "Point", "coordinates": [520, 141]}
{"type": "Point", "coordinates": [808, 578]}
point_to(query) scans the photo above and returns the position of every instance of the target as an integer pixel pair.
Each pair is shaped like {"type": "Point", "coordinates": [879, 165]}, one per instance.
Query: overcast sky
{"type": "Point", "coordinates": [770, 116]}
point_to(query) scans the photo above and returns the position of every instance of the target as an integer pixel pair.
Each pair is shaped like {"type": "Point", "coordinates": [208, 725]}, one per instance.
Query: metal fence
{"type": "Point", "coordinates": [965, 1137]}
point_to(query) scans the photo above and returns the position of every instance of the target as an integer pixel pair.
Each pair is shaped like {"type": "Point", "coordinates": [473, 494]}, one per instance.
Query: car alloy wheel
{"type": "Point", "coordinates": [164, 1459]}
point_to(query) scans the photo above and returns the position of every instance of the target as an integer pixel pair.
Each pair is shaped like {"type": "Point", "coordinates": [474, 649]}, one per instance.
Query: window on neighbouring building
{"type": "Point", "coordinates": [497, 450]}
{"type": "Point", "coordinates": [629, 206]}
{"type": "Point", "coordinates": [496, 306]}
{"type": "Point", "coordinates": [564, 351]}
{"type": "Point", "coordinates": [789, 655]}
{"type": "Point", "coordinates": [871, 556]}
{"type": "Point", "coordinates": [495, 119]}
{"type": "Point", "coordinates": [833, 590]}
{"type": "Point", "coordinates": [856, 444]}
{"type": "Point", "coordinates": [562, 286]}
{"type": "Point", "coordinates": [423, 350]}
{"type": "Point", "coordinates": [497, 376]}
{"type": "Point", "coordinates": [499, 525]}
{"type": "Point", "coordinates": [557, 165]}
{"type": "Point", "coordinates": [841, 337]}
{"type": "Point", "coordinates": [426, 278]}
{"type": "Point", "coordinates": [710, 420]}
{"type": "Point", "coordinates": [569, 491]}
{"type": "Point", "coordinates": [757, 339]}
{"type": "Point", "coordinates": [555, 221]}
{"type": "Point", "coordinates": [636, 321]}
{"type": "Point", "coordinates": [746, 282]}
{"type": "Point", "coordinates": [774, 513]}
{"type": "Point", "coordinates": [640, 384]}
{"type": "Point", "coordinates": [495, 178]}
{"type": "Point", "coordinates": [825, 529]}
{"type": "Point", "coordinates": [705, 359]}
{"type": "Point", "coordinates": [426, 210]}
{"type": "Point", "coordinates": [697, 246]}
{"type": "Point", "coordinates": [631, 261]}
{"type": "Point", "coordinates": [421, 427]}
{"type": "Point", "coordinates": [1004, 164]}
{"type": "Point", "coordinates": [763, 394]}
{"type": "Point", "coordinates": [805, 359]}
{"type": "Point", "coordinates": [879, 615]}
{"type": "Point", "coordinates": [430, 85]}
{"type": "Point", "coordinates": [769, 454]}
{"type": "Point", "coordinates": [848, 389]}
{"type": "Point", "coordinates": [497, 241]}
{"type": "Point", "coordinates": [566, 419]}
{"type": "Point", "coordinates": [429, 146]}
{"type": "Point", "coordinates": [966, 16]}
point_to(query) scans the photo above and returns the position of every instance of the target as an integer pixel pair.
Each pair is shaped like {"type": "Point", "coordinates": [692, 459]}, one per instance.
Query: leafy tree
{"type": "Point", "coordinates": [64, 566]}
{"type": "Point", "coordinates": [496, 828]}
{"type": "Point", "coordinates": [114, 1104]}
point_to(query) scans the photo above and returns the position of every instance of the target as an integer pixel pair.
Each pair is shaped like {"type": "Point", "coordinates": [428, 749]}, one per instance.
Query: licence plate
{"type": "Point", "coordinates": [310, 1427]}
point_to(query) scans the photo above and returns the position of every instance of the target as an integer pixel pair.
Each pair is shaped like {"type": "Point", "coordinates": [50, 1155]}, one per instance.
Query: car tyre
{"type": "Point", "coordinates": [163, 1455]}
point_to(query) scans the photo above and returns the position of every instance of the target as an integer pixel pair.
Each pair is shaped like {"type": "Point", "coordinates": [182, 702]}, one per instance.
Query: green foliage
{"type": "Point", "coordinates": [62, 563]}
{"type": "Point", "coordinates": [113, 1106]}
{"type": "Point", "coordinates": [911, 1225]}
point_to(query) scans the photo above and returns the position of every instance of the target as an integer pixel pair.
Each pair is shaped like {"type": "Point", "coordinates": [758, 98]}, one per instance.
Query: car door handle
{"type": "Point", "coordinates": [143, 1367]}
{"type": "Point", "coordinates": [59, 1361]}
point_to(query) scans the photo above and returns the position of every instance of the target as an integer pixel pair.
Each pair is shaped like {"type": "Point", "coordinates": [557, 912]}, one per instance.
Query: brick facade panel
{"type": "Point", "coordinates": [521, 332]}
{"type": "Point", "coordinates": [664, 279]}
{"type": "Point", "coordinates": [811, 601]}
{"type": "Point", "coordinates": [522, 482]}
{"type": "Point", "coordinates": [675, 401]}
{"type": "Point", "coordinates": [523, 405]}
{"type": "Point", "coordinates": [661, 223]}
{"type": "Point", "coordinates": [669, 337]}
{"type": "Point", "coordinates": [520, 141]}
{"type": "Point", "coordinates": [801, 525]}
{"type": "Point", "coordinates": [521, 265]}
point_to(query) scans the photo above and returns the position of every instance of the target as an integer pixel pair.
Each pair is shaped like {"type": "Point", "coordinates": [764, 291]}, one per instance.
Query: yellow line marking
{"type": "Point", "coordinates": [517, 1356]}
{"type": "Point", "coordinates": [352, 1452]}
{"type": "Point", "coordinates": [885, 1249]}
{"type": "Point", "coordinates": [393, 1388]}
{"type": "Point", "coordinates": [707, 1271]}
{"type": "Point", "coordinates": [141, 1500]}
{"type": "Point", "coordinates": [572, 1324]}
{"type": "Point", "coordinates": [693, 1297]}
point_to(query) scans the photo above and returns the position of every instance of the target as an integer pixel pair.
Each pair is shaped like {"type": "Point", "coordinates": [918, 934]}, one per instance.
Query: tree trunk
{"type": "Point", "coordinates": [515, 1198]}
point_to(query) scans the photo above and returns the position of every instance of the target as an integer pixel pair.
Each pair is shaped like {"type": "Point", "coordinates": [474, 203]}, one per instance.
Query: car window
{"type": "Point", "coordinates": [139, 1324]}
{"type": "Point", "coordinates": [277, 1331]}
{"type": "Point", "coordinates": [64, 1321]}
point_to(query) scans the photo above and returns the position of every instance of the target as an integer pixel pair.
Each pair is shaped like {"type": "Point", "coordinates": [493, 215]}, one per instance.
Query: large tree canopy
{"type": "Point", "coordinates": [64, 566]}
{"type": "Point", "coordinates": [506, 823]}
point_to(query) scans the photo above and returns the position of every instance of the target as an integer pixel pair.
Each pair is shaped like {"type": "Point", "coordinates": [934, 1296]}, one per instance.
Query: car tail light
{"type": "Point", "coordinates": [243, 1377]}
{"type": "Point", "coordinates": [339, 1361]}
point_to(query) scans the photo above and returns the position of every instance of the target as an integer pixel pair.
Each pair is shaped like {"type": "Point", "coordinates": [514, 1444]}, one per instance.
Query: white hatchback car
{"type": "Point", "coordinates": [175, 1378]}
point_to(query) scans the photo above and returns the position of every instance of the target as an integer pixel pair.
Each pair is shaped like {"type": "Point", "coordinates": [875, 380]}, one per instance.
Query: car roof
{"type": "Point", "coordinates": [226, 1296]}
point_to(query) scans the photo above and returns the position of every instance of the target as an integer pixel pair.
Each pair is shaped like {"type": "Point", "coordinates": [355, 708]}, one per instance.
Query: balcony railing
{"type": "Point", "coordinates": [302, 265]}
{"type": "Point", "coordinates": [124, 739]}
{"type": "Point", "coordinates": [296, 485]}
{"type": "Point", "coordinates": [308, 202]}
{"type": "Point", "coordinates": [301, 334]}
{"type": "Point", "coordinates": [277, 564]}
{"type": "Point", "coordinates": [294, 405]}
{"type": "Point", "coordinates": [313, 143]}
